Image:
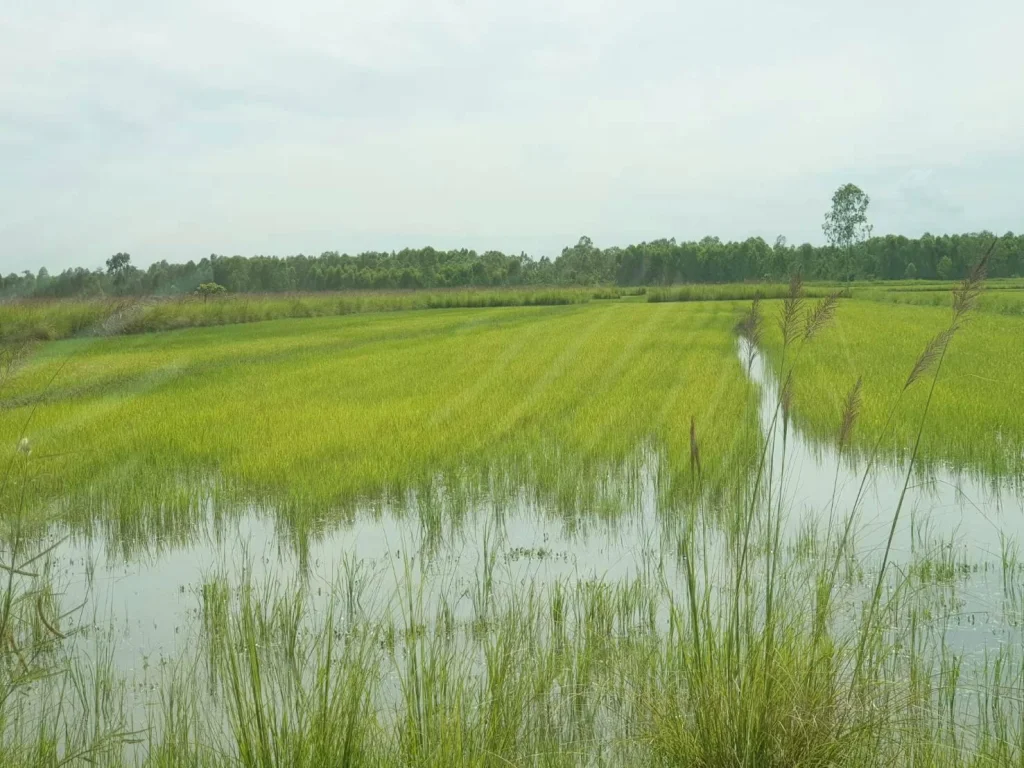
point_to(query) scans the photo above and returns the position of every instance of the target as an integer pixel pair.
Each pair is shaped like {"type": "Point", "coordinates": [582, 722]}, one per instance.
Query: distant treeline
{"type": "Point", "coordinates": [661, 262]}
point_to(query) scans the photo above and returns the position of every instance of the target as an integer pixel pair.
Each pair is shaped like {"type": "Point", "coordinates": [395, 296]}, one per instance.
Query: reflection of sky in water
{"type": "Point", "coordinates": [940, 505]}
{"type": "Point", "coordinates": [151, 601]}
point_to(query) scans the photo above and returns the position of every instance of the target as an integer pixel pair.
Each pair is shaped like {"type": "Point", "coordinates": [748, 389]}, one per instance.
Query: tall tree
{"type": "Point", "coordinates": [846, 224]}
{"type": "Point", "coordinates": [117, 267]}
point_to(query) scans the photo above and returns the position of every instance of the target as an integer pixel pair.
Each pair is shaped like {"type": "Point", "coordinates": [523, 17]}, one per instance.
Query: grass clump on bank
{"type": "Point", "coordinates": [738, 291]}
{"type": "Point", "coordinates": [50, 320]}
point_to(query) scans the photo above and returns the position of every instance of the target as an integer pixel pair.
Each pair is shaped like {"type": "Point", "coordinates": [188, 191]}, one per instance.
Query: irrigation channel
{"type": "Point", "coordinates": [147, 605]}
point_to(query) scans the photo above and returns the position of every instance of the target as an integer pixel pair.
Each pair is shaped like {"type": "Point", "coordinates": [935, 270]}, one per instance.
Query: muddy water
{"type": "Point", "coordinates": [147, 607]}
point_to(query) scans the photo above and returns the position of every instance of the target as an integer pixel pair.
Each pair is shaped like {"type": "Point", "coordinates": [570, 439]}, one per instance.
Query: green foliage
{"type": "Point", "coordinates": [658, 262]}
{"type": "Point", "coordinates": [540, 398]}
{"type": "Point", "coordinates": [846, 223]}
{"type": "Point", "coordinates": [1003, 297]}
{"type": "Point", "coordinates": [206, 290]}
{"type": "Point", "coordinates": [976, 424]}
{"type": "Point", "coordinates": [49, 320]}
{"type": "Point", "coordinates": [732, 292]}
{"type": "Point", "coordinates": [118, 263]}
{"type": "Point", "coordinates": [846, 226]}
{"type": "Point", "coordinates": [124, 277]}
{"type": "Point", "coordinates": [944, 269]}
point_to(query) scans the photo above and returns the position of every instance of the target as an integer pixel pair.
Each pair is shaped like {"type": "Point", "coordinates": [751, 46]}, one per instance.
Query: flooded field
{"type": "Point", "coordinates": [573, 535]}
{"type": "Point", "coordinates": [962, 525]}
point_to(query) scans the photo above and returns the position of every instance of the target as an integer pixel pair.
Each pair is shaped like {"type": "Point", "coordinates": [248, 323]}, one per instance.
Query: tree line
{"type": "Point", "coordinates": [851, 254]}
{"type": "Point", "coordinates": [659, 262]}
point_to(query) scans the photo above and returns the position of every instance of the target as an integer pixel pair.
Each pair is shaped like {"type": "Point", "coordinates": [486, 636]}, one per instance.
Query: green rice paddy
{"type": "Point", "coordinates": [977, 420]}
{"type": "Point", "coordinates": [563, 533]}
{"type": "Point", "coordinates": [321, 414]}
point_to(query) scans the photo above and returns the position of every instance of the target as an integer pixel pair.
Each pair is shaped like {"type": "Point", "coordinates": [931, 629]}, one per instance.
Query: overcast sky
{"type": "Point", "coordinates": [175, 129]}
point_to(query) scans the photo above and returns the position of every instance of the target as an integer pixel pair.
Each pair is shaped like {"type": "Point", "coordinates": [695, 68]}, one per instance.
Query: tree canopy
{"type": "Point", "coordinates": [658, 262]}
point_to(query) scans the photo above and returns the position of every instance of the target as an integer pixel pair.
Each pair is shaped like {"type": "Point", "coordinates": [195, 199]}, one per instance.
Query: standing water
{"type": "Point", "coordinates": [961, 530]}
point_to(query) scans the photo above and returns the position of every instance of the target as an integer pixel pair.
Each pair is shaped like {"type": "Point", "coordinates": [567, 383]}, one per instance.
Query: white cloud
{"type": "Point", "coordinates": [173, 130]}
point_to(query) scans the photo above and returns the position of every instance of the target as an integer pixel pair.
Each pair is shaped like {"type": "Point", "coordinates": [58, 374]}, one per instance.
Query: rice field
{"type": "Point", "coordinates": [319, 415]}
{"type": "Point", "coordinates": [601, 532]}
{"type": "Point", "coordinates": [1009, 302]}
{"type": "Point", "coordinates": [1004, 297]}
{"type": "Point", "coordinates": [977, 422]}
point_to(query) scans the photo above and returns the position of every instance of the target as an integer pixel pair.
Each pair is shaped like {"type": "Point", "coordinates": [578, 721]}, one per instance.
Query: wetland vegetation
{"type": "Point", "coordinates": [351, 418]}
{"type": "Point", "coordinates": [565, 527]}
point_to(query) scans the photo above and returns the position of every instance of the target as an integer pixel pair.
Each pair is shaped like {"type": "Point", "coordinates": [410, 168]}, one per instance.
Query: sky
{"type": "Point", "coordinates": [176, 130]}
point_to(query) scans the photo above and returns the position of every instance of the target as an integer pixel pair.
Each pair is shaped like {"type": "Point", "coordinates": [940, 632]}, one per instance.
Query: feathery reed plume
{"type": "Point", "coordinates": [694, 447]}
{"type": "Point", "coordinates": [750, 328]}
{"type": "Point", "coordinates": [820, 315]}
{"type": "Point", "coordinates": [965, 296]}
{"type": "Point", "coordinates": [851, 410]}
{"type": "Point", "coordinates": [930, 355]}
{"type": "Point", "coordinates": [751, 325]}
{"type": "Point", "coordinates": [796, 285]}
{"type": "Point", "coordinates": [791, 307]}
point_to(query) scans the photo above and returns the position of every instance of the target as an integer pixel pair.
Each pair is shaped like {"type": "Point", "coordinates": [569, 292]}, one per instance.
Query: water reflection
{"type": "Point", "coordinates": [150, 599]}
{"type": "Point", "coordinates": [962, 527]}
{"type": "Point", "coordinates": [977, 513]}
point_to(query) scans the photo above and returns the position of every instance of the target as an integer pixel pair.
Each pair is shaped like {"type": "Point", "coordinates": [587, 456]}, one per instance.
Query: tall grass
{"type": "Point", "coordinates": [577, 673]}
{"type": "Point", "coordinates": [49, 320]}
{"type": "Point", "coordinates": [1000, 300]}
{"type": "Point", "coordinates": [738, 291]}
{"type": "Point", "coordinates": [54, 710]}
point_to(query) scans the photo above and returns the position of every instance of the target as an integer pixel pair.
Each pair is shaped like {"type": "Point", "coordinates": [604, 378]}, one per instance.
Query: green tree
{"type": "Point", "coordinates": [118, 266]}
{"type": "Point", "coordinates": [846, 224]}
{"type": "Point", "coordinates": [945, 268]}
{"type": "Point", "coordinates": [911, 272]}
{"type": "Point", "coordinates": [206, 290]}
